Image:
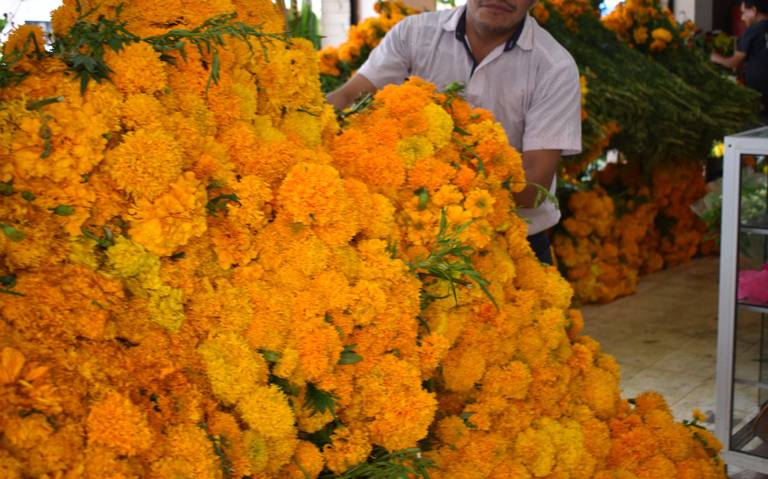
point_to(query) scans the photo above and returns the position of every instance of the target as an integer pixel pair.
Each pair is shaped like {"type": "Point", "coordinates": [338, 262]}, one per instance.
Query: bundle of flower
{"type": "Point", "coordinates": [338, 63]}
{"type": "Point", "coordinates": [645, 25]}
{"type": "Point", "coordinates": [202, 278]}
{"type": "Point", "coordinates": [628, 224]}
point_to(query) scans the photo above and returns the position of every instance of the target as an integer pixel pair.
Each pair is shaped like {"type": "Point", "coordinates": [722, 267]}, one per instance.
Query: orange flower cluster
{"type": "Point", "coordinates": [214, 281]}
{"type": "Point", "coordinates": [569, 10]}
{"type": "Point", "coordinates": [628, 225]}
{"type": "Point", "coordinates": [645, 25]}
{"type": "Point", "coordinates": [343, 60]}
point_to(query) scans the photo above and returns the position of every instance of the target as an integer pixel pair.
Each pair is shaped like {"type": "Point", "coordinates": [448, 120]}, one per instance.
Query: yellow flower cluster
{"type": "Point", "coordinates": [645, 25]}
{"type": "Point", "coordinates": [607, 242]}
{"type": "Point", "coordinates": [210, 281]}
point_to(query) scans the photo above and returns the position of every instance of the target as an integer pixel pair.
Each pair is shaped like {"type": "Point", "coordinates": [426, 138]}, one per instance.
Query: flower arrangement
{"type": "Point", "coordinates": [627, 225]}
{"type": "Point", "coordinates": [206, 275]}
{"type": "Point", "coordinates": [646, 26]}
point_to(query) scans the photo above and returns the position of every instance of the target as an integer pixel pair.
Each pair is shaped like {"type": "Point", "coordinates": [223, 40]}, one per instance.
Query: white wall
{"type": "Point", "coordinates": [700, 11]}
{"type": "Point", "coordinates": [334, 21]}
{"type": "Point", "coordinates": [21, 11]}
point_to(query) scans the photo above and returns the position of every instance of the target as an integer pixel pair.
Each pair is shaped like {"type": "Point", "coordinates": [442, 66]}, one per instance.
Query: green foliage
{"type": "Point", "coordinates": [84, 46]}
{"type": "Point", "coordinates": [349, 356]}
{"type": "Point", "coordinates": [63, 210]}
{"type": "Point", "coordinates": [320, 401]}
{"type": "Point", "coordinates": [305, 24]}
{"type": "Point", "coordinates": [403, 464]}
{"type": "Point", "coordinates": [450, 261]}
{"type": "Point", "coordinates": [669, 106]}
{"type": "Point", "coordinates": [207, 38]}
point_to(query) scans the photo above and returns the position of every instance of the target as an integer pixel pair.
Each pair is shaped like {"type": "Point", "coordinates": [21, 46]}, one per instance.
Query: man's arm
{"type": "Point", "coordinates": [540, 167]}
{"type": "Point", "coordinates": [388, 63]}
{"type": "Point", "coordinates": [731, 62]}
{"type": "Point", "coordinates": [346, 94]}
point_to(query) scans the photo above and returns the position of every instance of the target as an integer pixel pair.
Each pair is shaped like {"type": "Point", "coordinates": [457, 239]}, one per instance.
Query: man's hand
{"type": "Point", "coordinates": [731, 62]}
{"type": "Point", "coordinates": [540, 167]}
{"type": "Point", "coordinates": [350, 91]}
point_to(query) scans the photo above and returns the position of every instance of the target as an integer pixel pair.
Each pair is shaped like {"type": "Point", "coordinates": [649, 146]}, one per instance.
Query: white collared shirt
{"type": "Point", "coordinates": [533, 89]}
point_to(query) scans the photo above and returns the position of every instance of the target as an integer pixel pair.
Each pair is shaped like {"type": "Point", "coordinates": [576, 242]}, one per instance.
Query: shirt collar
{"type": "Point", "coordinates": [522, 38]}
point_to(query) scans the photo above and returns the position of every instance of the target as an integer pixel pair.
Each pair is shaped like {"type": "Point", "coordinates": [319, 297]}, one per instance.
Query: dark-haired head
{"type": "Point", "coordinates": [760, 5]}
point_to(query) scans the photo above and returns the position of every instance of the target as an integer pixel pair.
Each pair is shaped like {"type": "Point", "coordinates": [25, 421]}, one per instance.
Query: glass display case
{"type": "Point", "coordinates": [742, 348]}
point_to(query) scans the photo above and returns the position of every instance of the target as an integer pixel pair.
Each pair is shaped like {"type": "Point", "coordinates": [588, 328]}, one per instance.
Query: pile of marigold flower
{"type": "Point", "coordinates": [203, 276]}
{"type": "Point", "coordinates": [645, 25]}
{"type": "Point", "coordinates": [628, 224]}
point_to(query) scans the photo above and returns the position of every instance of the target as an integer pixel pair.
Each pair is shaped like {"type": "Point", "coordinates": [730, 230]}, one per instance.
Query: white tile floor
{"type": "Point", "coordinates": [665, 337]}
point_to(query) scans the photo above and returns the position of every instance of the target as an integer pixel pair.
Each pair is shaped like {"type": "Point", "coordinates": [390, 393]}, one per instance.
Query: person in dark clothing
{"type": "Point", "coordinates": [752, 48]}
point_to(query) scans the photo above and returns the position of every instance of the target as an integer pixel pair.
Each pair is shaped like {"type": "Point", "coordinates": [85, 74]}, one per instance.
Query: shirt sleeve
{"type": "Point", "coordinates": [390, 61]}
{"type": "Point", "coordinates": [553, 122]}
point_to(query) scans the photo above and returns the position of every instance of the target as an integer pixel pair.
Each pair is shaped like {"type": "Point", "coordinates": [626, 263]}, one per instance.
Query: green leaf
{"type": "Point", "coordinates": [28, 195]}
{"type": "Point", "coordinates": [63, 210]}
{"type": "Point", "coordinates": [12, 233]}
{"type": "Point", "coordinates": [219, 203]}
{"type": "Point", "coordinates": [270, 356]}
{"type": "Point", "coordinates": [423, 195]}
{"type": "Point", "coordinates": [6, 188]}
{"type": "Point", "coordinates": [349, 356]}
{"type": "Point", "coordinates": [320, 401]}
{"type": "Point", "coordinates": [286, 386]}
{"type": "Point", "coordinates": [37, 104]}
{"type": "Point", "coordinates": [8, 280]}
{"type": "Point", "coordinates": [11, 292]}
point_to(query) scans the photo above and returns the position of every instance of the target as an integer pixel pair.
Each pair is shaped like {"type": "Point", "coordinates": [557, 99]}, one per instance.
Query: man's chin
{"type": "Point", "coordinates": [495, 26]}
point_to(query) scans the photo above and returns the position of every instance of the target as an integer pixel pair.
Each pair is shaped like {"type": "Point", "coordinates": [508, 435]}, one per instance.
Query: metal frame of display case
{"type": "Point", "coordinates": [753, 142]}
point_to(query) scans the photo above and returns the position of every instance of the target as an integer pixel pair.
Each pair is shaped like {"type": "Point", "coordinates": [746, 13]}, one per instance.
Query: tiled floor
{"type": "Point", "coordinates": [665, 338]}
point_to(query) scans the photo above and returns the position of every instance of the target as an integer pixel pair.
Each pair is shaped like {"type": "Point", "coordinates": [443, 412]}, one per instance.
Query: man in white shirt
{"type": "Point", "coordinates": [510, 66]}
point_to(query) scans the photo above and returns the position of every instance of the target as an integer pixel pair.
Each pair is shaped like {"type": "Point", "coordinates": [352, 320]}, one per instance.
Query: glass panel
{"type": "Point", "coordinates": [750, 389]}
{"type": "Point", "coordinates": [754, 191]}
{"type": "Point", "coordinates": [749, 432]}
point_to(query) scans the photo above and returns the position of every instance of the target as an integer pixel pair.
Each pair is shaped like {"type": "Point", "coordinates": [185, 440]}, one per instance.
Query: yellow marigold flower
{"type": "Point", "coordinates": [414, 148]}
{"type": "Point", "coordinates": [145, 163]}
{"type": "Point", "coordinates": [479, 203]}
{"type": "Point", "coordinates": [140, 111]}
{"type": "Point", "coordinates": [440, 125]}
{"type": "Point", "coordinates": [266, 410]}
{"type": "Point", "coordinates": [28, 432]}
{"type": "Point", "coordinates": [312, 194]}
{"type": "Point", "coordinates": [24, 39]}
{"type": "Point", "coordinates": [305, 126]}
{"type": "Point", "coordinates": [307, 462]}
{"type": "Point", "coordinates": [662, 34]}
{"type": "Point", "coordinates": [535, 450]}
{"type": "Point", "coordinates": [640, 35]}
{"type": "Point", "coordinates": [137, 68]}
{"type": "Point", "coordinates": [172, 219]}
{"type": "Point", "coordinates": [188, 453]}
{"type": "Point", "coordinates": [510, 381]}
{"type": "Point", "coordinates": [128, 259]}
{"type": "Point", "coordinates": [118, 423]}
{"type": "Point", "coordinates": [462, 368]}
{"type": "Point", "coordinates": [348, 448]}
{"type": "Point", "coordinates": [233, 368]}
